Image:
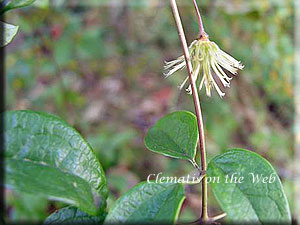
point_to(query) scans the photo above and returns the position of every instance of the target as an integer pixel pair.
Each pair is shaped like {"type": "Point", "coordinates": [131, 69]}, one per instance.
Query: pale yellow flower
{"type": "Point", "coordinates": [206, 58]}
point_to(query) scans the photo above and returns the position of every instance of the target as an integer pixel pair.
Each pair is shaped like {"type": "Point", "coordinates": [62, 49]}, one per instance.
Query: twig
{"type": "Point", "coordinates": [204, 215]}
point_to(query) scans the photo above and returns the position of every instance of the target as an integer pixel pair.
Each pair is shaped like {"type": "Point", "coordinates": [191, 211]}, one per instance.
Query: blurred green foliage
{"type": "Point", "coordinates": [98, 65]}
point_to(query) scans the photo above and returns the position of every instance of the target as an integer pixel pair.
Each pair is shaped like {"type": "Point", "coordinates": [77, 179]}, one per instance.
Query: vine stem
{"type": "Point", "coordinates": [204, 214]}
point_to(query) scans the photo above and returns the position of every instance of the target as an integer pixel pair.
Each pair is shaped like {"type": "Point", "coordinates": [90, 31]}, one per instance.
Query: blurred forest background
{"type": "Point", "coordinates": [99, 64]}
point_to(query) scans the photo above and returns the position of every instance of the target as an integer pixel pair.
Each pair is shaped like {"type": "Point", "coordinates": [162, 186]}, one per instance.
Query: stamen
{"type": "Point", "coordinates": [206, 58]}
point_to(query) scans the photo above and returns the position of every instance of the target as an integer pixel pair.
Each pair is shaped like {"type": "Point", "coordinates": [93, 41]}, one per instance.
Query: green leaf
{"type": "Point", "coordinates": [175, 135]}
{"type": "Point", "coordinates": [253, 201]}
{"type": "Point", "coordinates": [10, 32]}
{"type": "Point", "coordinates": [151, 202]}
{"type": "Point", "coordinates": [70, 216]}
{"type": "Point", "coordinates": [46, 156]}
{"type": "Point", "coordinates": [14, 4]}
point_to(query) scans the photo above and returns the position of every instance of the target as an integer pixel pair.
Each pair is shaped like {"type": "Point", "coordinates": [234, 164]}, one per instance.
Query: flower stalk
{"type": "Point", "coordinates": [194, 91]}
{"type": "Point", "coordinates": [201, 28]}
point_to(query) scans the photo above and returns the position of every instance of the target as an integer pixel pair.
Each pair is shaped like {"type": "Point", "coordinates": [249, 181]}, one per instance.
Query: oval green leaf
{"type": "Point", "coordinates": [14, 4]}
{"type": "Point", "coordinates": [10, 32]}
{"type": "Point", "coordinates": [175, 135]}
{"type": "Point", "coordinates": [148, 202]}
{"type": "Point", "coordinates": [71, 216]}
{"type": "Point", "coordinates": [46, 156]}
{"type": "Point", "coordinates": [257, 198]}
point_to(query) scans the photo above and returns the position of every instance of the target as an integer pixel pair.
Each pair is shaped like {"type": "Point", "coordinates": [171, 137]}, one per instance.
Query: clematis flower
{"type": "Point", "coordinates": [207, 59]}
